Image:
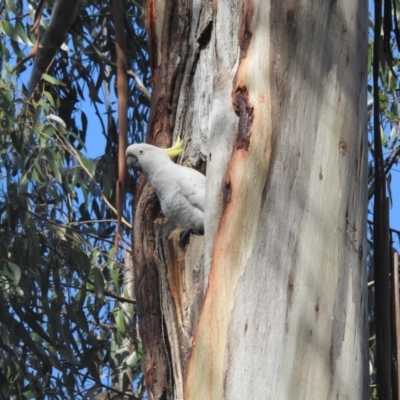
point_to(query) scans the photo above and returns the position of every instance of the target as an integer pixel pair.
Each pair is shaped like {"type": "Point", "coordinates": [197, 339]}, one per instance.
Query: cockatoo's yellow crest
{"type": "Point", "coordinates": [176, 149]}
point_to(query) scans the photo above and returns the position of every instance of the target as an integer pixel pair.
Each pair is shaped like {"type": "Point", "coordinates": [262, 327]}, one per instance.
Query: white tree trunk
{"type": "Point", "coordinates": [273, 93]}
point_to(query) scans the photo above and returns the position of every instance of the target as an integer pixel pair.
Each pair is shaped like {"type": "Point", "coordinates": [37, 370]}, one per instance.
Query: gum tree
{"type": "Point", "coordinates": [271, 96]}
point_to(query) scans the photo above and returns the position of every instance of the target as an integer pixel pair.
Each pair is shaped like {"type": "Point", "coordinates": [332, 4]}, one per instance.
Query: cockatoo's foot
{"type": "Point", "coordinates": [185, 235]}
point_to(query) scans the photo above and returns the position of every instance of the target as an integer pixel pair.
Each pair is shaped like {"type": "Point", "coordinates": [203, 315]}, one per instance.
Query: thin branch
{"type": "Point", "coordinates": [103, 58]}
{"type": "Point", "coordinates": [76, 155]}
{"type": "Point", "coordinates": [102, 384]}
{"type": "Point", "coordinates": [140, 84]}
{"type": "Point", "coordinates": [107, 293]}
{"type": "Point", "coordinates": [122, 90]}
{"type": "Point", "coordinates": [116, 297]}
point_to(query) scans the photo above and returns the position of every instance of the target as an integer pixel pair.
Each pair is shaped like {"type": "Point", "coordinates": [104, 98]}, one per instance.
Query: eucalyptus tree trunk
{"type": "Point", "coordinates": [271, 95]}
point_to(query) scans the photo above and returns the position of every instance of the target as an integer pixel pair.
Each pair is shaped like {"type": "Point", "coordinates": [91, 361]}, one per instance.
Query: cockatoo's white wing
{"type": "Point", "coordinates": [182, 198]}
{"type": "Point", "coordinates": [193, 186]}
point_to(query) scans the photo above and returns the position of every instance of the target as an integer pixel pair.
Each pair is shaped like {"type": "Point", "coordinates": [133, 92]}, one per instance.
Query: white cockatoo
{"type": "Point", "coordinates": [180, 190]}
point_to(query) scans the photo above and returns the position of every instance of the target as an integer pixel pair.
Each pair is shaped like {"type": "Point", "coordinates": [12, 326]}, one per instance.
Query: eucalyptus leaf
{"type": "Point", "coordinates": [16, 270]}
{"type": "Point", "coordinates": [52, 80]}
{"type": "Point", "coordinates": [121, 327]}
{"type": "Point", "coordinates": [99, 284]}
{"type": "Point", "coordinates": [57, 119]}
{"type": "Point", "coordinates": [10, 31]}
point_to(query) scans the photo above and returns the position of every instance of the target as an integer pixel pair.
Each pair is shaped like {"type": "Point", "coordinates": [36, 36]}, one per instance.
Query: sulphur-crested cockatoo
{"type": "Point", "coordinates": [181, 190]}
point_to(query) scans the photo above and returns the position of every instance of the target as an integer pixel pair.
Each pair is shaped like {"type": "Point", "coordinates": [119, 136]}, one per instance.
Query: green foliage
{"type": "Point", "coordinates": [61, 327]}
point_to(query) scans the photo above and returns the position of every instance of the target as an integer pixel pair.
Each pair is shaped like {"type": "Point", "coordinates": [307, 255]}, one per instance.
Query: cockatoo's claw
{"type": "Point", "coordinates": [185, 236]}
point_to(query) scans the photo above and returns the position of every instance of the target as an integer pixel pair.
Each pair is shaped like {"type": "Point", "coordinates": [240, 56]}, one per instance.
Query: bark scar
{"type": "Point", "coordinates": [205, 35]}
{"type": "Point", "coordinates": [245, 111]}
{"type": "Point", "coordinates": [202, 42]}
{"type": "Point", "coordinates": [228, 192]}
{"type": "Point", "coordinates": [245, 33]}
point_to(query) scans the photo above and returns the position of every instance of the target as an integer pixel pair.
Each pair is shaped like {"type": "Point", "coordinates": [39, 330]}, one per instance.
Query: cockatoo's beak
{"type": "Point", "coordinates": [133, 162]}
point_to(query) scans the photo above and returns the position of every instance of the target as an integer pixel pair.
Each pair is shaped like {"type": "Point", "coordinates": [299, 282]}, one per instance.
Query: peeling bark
{"type": "Point", "coordinates": [181, 277]}
{"type": "Point", "coordinates": [156, 366]}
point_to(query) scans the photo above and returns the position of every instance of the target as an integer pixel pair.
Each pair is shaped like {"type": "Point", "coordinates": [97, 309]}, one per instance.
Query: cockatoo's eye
{"type": "Point", "coordinates": [141, 152]}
